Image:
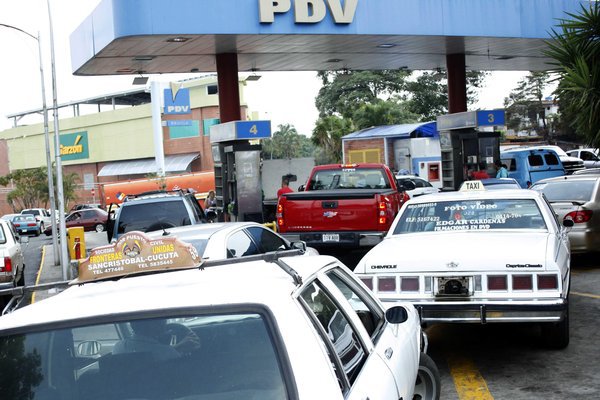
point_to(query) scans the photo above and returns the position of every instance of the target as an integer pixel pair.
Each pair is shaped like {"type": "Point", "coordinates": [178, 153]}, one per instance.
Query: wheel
{"type": "Point", "coordinates": [555, 335]}
{"type": "Point", "coordinates": [427, 386]}
{"type": "Point", "coordinates": [37, 233]}
{"type": "Point", "coordinates": [99, 227]}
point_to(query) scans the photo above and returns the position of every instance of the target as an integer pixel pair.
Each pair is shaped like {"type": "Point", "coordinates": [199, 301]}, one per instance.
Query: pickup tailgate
{"type": "Point", "coordinates": [333, 210]}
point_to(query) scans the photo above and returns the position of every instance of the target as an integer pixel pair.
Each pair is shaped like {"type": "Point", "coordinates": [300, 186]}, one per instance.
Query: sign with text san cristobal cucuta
{"type": "Point", "coordinates": [74, 146]}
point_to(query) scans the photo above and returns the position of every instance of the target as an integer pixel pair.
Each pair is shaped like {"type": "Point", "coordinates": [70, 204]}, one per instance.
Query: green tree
{"type": "Point", "coordinates": [382, 113]}
{"type": "Point", "coordinates": [30, 188]}
{"type": "Point", "coordinates": [286, 142]}
{"type": "Point", "coordinates": [524, 108]}
{"type": "Point", "coordinates": [327, 135]}
{"type": "Point", "coordinates": [575, 51]}
{"type": "Point", "coordinates": [343, 92]}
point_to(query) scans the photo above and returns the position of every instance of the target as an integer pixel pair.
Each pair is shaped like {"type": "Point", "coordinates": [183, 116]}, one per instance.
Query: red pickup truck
{"type": "Point", "coordinates": [348, 205]}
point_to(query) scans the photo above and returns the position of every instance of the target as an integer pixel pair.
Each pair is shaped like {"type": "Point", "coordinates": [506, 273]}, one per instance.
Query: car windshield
{"type": "Point", "coordinates": [152, 216]}
{"type": "Point", "coordinates": [193, 356]}
{"type": "Point", "coordinates": [32, 212]}
{"type": "Point", "coordinates": [3, 234]}
{"type": "Point", "coordinates": [567, 190]}
{"type": "Point", "coordinates": [472, 215]}
{"type": "Point", "coordinates": [349, 178]}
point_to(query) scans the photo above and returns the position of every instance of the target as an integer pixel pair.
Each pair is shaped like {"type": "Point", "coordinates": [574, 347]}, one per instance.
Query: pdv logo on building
{"type": "Point", "coordinates": [177, 101]}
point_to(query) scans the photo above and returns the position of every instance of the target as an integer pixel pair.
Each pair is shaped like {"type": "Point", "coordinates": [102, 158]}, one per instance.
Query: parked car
{"type": "Point", "coordinates": [576, 198]}
{"type": "Point", "coordinates": [482, 256]}
{"type": "Point", "coordinates": [9, 217]}
{"type": "Point", "coordinates": [589, 156]}
{"type": "Point", "coordinates": [151, 211]}
{"type": "Point", "coordinates": [12, 260]}
{"type": "Point", "coordinates": [272, 326]}
{"type": "Point", "coordinates": [570, 163]}
{"type": "Point", "coordinates": [218, 241]}
{"type": "Point", "coordinates": [42, 215]}
{"type": "Point", "coordinates": [26, 224]}
{"type": "Point", "coordinates": [91, 219]}
{"type": "Point", "coordinates": [82, 206]}
{"type": "Point", "coordinates": [422, 186]}
{"type": "Point", "coordinates": [528, 165]}
{"type": "Point", "coordinates": [588, 171]}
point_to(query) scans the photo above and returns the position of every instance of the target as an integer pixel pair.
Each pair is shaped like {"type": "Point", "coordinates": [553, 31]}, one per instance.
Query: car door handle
{"type": "Point", "coordinates": [389, 352]}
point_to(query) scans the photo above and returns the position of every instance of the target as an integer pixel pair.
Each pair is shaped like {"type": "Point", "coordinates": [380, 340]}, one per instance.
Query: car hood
{"type": "Point", "coordinates": [463, 251]}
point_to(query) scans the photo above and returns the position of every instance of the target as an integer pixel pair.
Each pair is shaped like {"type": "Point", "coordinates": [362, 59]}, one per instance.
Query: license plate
{"type": "Point", "coordinates": [453, 286]}
{"type": "Point", "coordinates": [332, 237]}
{"type": "Point", "coordinates": [23, 230]}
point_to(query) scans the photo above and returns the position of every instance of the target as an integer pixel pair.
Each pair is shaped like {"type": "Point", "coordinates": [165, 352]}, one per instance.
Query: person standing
{"type": "Point", "coordinates": [501, 168]}
{"type": "Point", "coordinates": [481, 173]}
{"type": "Point", "coordinates": [285, 187]}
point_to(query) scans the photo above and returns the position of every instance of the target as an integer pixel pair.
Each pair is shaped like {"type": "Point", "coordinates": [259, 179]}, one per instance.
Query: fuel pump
{"type": "Point", "coordinates": [236, 153]}
{"type": "Point", "coordinates": [467, 140]}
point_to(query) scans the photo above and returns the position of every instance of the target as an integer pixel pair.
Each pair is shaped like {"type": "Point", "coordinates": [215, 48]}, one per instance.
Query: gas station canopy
{"type": "Point", "coordinates": [156, 36]}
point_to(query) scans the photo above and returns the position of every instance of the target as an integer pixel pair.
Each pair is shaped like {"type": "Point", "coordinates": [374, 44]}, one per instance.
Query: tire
{"type": "Point", "coordinates": [99, 228]}
{"type": "Point", "coordinates": [555, 335]}
{"type": "Point", "coordinates": [37, 233]}
{"type": "Point", "coordinates": [428, 383]}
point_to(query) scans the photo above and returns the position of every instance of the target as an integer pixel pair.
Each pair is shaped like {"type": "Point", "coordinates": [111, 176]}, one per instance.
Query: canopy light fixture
{"type": "Point", "coordinates": [178, 39]}
{"type": "Point", "coordinates": [143, 58]}
{"type": "Point", "coordinates": [254, 77]}
{"type": "Point", "coordinates": [334, 60]}
{"type": "Point", "coordinates": [386, 45]}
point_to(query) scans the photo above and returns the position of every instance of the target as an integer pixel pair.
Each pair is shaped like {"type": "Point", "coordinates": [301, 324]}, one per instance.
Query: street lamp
{"type": "Point", "coordinates": [47, 141]}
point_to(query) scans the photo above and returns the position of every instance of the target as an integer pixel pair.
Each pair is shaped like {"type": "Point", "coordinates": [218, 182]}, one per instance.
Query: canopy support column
{"type": "Point", "coordinates": [229, 90]}
{"type": "Point", "coordinates": [457, 83]}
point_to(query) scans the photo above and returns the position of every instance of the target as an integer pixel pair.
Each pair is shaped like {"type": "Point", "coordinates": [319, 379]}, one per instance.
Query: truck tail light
{"type": "Point", "coordinates": [546, 282]}
{"type": "Point", "coordinates": [368, 281]}
{"type": "Point", "coordinates": [409, 284]}
{"type": "Point", "coordinates": [7, 265]}
{"type": "Point", "coordinates": [497, 282]}
{"type": "Point", "coordinates": [522, 282]}
{"type": "Point", "coordinates": [279, 215]}
{"type": "Point", "coordinates": [382, 212]}
{"type": "Point", "coordinates": [386, 284]}
{"type": "Point", "coordinates": [579, 217]}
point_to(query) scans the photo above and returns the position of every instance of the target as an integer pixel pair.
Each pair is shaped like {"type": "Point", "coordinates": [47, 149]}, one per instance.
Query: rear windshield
{"type": "Point", "coordinates": [148, 217]}
{"type": "Point", "coordinates": [567, 190]}
{"type": "Point", "coordinates": [465, 215]}
{"type": "Point", "coordinates": [224, 356]}
{"type": "Point", "coordinates": [349, 178]}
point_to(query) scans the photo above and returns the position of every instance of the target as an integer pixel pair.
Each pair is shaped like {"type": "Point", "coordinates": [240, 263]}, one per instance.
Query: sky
{"type": "Point", "coordinates": [21, 82]}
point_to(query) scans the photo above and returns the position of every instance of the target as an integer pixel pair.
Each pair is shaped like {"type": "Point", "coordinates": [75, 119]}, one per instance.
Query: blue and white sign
{"type": "Point", "coordinates": [240, 130]}
{"type": "Point", "coordinates": [490, 117]}
{"type": "Point", "coordinates": [179, 122]}
{"type": "Point", "coordinates": [178, 103]}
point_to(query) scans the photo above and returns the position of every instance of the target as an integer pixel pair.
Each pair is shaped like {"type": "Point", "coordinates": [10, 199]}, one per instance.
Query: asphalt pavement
{"type": "Point", "coordinates": [49, 273]}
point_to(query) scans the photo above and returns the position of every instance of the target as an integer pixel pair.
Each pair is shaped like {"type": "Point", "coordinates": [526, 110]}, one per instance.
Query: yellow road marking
{"type": "Point", "coordinates": [39, 274]}
{"type": "Point", "coordinates": [469, 383]}
{"type": "Point", "coordinates": [593, 296]}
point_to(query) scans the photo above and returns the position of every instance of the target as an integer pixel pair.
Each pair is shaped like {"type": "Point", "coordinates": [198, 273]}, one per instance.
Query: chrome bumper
{"type": "Point", "coordinates": [347, 239]}
{"type": "Point", "coordinates": [493, 311]}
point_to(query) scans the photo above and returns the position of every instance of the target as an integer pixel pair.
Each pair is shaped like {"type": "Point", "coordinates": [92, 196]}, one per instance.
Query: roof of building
{"type": "Point", "coordinates": [402, 131]}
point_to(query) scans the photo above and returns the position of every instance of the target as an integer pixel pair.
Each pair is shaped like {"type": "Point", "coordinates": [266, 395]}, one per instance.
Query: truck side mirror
{"type": "Point", "coordinates": [301, 188]}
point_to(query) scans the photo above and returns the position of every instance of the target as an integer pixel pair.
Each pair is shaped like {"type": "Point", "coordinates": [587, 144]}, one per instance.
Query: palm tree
{"type": "Point", "coordinates": [576, 54]}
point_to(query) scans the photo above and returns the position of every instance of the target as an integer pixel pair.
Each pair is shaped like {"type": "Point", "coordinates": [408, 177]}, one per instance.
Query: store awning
{"type": "Point", "coordinates": [173, 163]}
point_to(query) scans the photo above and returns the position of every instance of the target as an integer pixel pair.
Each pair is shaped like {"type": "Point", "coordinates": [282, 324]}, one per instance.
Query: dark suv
{"type": "Point", "coordinates": [152, 211]}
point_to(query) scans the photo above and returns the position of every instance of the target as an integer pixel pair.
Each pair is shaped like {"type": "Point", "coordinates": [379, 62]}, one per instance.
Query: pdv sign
{"type": "Point", "coordinates": [308, 11]}
{"type": "Point", "coordinates": [177, 103]}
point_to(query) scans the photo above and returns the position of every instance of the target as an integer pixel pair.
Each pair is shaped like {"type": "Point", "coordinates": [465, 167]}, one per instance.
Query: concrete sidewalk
{"type": "Point", "coordinates": [49, 273]}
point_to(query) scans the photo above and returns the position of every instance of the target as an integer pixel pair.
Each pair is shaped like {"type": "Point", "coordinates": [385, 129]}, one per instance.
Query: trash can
{"type": "Point", "coordinates": [76, 243]}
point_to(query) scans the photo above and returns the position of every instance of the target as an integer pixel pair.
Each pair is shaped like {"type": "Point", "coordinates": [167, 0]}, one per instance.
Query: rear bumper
{"type": "Point", "coordinates": [346, 239]}
{"type": "Point", "coordinates": [542, 310]}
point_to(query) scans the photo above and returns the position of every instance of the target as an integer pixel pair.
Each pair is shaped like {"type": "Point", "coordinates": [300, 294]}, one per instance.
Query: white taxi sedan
{"type": "Point", "coordinates": [148, 319]}
{"type": "Point", "coordinates": [476, 257]}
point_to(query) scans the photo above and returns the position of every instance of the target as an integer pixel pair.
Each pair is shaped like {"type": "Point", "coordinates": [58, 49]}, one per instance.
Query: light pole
{"type": "Point", "coordinates": [62, 229]}
{"type": "Point", "coordinates": [47, 142]}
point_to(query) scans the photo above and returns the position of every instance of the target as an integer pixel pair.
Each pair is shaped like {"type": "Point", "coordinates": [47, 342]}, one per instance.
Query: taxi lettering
{"type": "Point", "coordinates": [308, 11]}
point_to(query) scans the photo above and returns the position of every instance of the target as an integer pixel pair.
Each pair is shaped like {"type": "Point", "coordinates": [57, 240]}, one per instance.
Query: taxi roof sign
{"type": "Point", "coordinates": [471, 186]}
{"type": "Point", "coordinates": [136, 253]}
